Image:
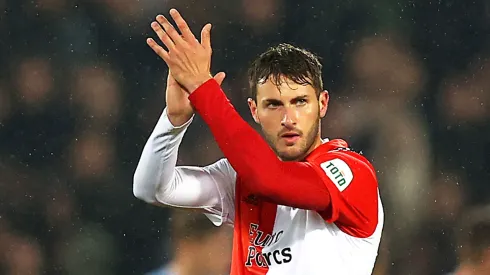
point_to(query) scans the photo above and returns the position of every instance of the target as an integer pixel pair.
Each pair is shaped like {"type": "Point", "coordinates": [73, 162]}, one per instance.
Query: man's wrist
{"type": "Point", "coordinates": [179, 120]}
{"type": "Point", "coordinates": [195, 84]}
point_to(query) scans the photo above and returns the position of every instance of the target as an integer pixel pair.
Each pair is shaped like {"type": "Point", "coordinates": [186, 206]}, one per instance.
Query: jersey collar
{"type": "Point", "coordinates": [328, 145]}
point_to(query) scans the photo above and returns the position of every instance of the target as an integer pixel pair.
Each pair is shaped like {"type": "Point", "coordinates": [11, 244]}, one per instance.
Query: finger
{"type": "Point", "coordinates": [219, 77]}
{"type": "Point", "coordinates": [183, 27]}
{"type": "Point", "coordinates": [206, 37]}
{"type": "Point", "coordinates": [170, 30]}
{"type": "Point", "coordinates": [158, 50]}
{"type": "Point", "coordinates": [163, 36]}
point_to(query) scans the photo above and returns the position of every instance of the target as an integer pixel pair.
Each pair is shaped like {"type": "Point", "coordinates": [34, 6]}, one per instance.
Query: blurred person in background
{"type": "Point", "coordinates": [462, 107]}
{"type": "Point", "coordinates": [379, 113]}
{"type": "Point", "coordinates": [473, 238]}
{"type": "Point", "coordinates": [198, 247]}
{"type": "Point", "coordinates": [299, 204]}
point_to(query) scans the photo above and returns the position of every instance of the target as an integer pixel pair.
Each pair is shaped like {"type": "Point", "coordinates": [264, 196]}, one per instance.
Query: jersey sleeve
{"type": "Point", "coordinates": [158, 181]}
{"type": "Point", "coordinates": [353, 189]}
{"type": "Point", "coordinates": [210, 188]}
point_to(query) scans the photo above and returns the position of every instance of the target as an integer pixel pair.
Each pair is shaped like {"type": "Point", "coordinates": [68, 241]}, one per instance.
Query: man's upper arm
{"type": "Point", "coordinates": [210, 188]}
{"type": "Point", "coordinates": [225, 180]}
{"type": "Point", "coordinates": [353, 189]}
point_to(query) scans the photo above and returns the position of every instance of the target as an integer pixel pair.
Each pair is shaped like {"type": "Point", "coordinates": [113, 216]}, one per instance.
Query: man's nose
{"type": "Point", "coordinates": [289, 118]}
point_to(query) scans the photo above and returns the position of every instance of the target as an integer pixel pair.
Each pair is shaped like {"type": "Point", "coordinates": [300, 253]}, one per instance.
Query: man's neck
{"type": "Point", "coordinates": [315, 145]}
{"type": "Point", "coordinates": [318, 142]}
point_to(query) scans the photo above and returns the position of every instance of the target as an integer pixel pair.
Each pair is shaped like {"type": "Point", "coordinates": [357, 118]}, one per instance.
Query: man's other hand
{"type": "Point", "coordinates": [188, 59]}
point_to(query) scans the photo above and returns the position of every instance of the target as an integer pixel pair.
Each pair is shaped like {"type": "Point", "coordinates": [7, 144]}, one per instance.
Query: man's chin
{"type": "Point", "coordinates": [290, 154]}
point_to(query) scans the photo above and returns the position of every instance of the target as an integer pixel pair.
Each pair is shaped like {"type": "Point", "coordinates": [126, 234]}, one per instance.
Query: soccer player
{"type": "Point", "coordinates": [298, 204]}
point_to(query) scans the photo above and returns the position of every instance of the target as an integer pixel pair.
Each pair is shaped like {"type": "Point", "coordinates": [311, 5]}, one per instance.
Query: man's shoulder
{"type": "Point", "coordinates": [337, 149]}
{"type": "Point", "coordinates": [222, 166]}
{"type": "Point", "coordinates": [337, 161]}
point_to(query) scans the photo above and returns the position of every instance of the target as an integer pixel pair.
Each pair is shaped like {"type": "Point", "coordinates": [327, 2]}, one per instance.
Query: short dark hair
{"type": "Point", "coordinates": [285, 60]}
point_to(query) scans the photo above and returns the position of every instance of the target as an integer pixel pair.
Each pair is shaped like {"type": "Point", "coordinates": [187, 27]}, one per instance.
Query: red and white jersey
{"type": "Point", "coordinates": [269, 238]}
{"type": "Point", "coordinates": [277, 239]}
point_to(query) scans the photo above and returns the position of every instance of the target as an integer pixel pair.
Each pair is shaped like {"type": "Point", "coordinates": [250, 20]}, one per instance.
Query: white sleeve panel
{"type": "Point", "coordinates": [158, 180]}
{"type": "Point", "coordinates": [211, 188]}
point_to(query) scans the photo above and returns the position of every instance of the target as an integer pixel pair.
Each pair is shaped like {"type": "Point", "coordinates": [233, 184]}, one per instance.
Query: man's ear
{"type": "Point", "coordinates": [323, 103]}
{"type": "Point", "coordinates": [252, 105]}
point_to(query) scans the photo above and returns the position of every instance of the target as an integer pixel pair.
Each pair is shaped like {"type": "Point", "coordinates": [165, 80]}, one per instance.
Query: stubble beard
{"type": "Point", "coordinates": [304, 144]}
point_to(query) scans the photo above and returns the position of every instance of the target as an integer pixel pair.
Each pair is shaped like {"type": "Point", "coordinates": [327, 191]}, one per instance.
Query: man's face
{"type": "Point", "coordinates": [289, 116]}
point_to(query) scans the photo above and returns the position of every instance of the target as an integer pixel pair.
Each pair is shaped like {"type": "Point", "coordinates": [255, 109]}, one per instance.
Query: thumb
{"type": "Point", "coordinates": [219, 77]}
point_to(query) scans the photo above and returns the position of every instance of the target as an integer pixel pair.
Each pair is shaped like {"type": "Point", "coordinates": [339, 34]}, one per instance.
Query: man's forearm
{"type": "Point", "coordinates": [253, 159]}
{"type": "Point", "coordinates": [158, 159]}
{"type": "Point", "coordinates": [157, 180]}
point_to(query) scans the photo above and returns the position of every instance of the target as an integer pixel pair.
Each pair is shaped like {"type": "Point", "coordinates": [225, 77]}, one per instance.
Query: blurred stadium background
{"type": "Point", "coordinates": [80, 92]}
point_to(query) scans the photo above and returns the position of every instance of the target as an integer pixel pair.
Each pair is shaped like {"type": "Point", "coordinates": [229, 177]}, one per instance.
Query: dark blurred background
{"type": "Point", "coordinates": [80, 92]}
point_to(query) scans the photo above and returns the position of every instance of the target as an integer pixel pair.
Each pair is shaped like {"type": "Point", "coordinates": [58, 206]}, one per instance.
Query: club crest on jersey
{"type": "Point", "coordinates": [338, 172]}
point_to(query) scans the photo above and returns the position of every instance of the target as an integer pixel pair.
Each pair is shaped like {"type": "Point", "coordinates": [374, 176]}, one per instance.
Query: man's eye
{"type": "Point", "coordinates": [272, 105]}
{"type": "Point", "coordinates": [301, 102]}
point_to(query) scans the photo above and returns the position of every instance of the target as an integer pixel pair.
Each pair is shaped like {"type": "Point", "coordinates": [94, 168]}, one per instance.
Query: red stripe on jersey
{"type": "Point", "coordinates": [254, 225]}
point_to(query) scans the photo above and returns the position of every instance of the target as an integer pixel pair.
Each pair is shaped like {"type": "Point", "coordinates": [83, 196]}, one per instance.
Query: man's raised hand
{"type": "Point", "coordinates": [188, 59]}
{"type": "Point", "coordinates": [179, 108]}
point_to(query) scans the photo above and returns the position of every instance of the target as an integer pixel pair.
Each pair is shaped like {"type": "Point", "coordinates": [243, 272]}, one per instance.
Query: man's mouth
{"type": "Point", "coordinates": [290, 137]}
